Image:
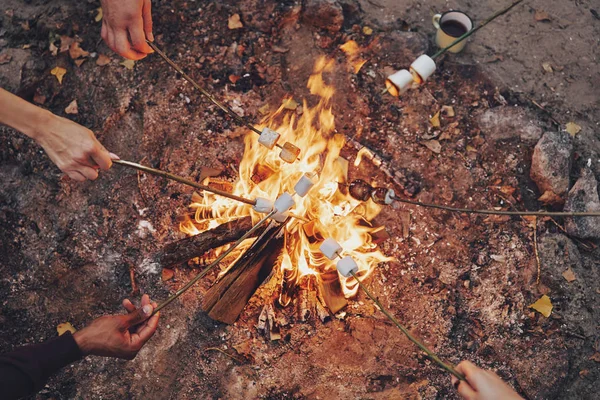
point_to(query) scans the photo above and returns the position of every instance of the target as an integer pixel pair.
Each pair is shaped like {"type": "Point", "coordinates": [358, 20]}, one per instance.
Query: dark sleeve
{"type": "Point", "coordinates": [25, 370]}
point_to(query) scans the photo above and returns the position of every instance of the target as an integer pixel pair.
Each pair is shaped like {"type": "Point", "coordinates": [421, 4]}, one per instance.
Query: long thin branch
{"type": "Point", "coordinates": [410, 337]}
{"type": "Point", "coordinates": [494, 212]}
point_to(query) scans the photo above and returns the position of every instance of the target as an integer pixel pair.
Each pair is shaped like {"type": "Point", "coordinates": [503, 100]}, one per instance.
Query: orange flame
{"type": "Point", "coordinates": [332, 214]}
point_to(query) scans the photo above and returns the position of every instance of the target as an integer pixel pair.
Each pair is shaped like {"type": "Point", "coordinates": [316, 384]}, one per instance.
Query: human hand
{"type": "Point", "coordinates": [126, 25]}
{"type": "Point", "coordinates": [73, 148]}
{"type": "Point", "coordinates": [120, 336]}
{"type": "Point", "coordinates": [481, 384]}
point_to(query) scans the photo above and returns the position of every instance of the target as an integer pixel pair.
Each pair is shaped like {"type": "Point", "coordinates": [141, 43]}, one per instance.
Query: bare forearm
{"type": "Point", "coordinates": [23, 116]}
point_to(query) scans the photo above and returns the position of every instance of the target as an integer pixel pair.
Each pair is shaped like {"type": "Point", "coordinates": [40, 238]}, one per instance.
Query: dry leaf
{"type": "Point", "coordinates": [53, 49]}
{"type": "Point", "coordinates": [367, 30]}
{"type": "Point", "coordinates": [26, 46]}
{"type": "Point", "coordinates": [99, 15]}
{"type": "Point", "coordinates": [493, 58]}
{"type": "Point", "coordinates": [65, 43]}
{"type": "Point", "coordinates": [59, 72]}
{"type": "Point", "coordinates": [573, 128]}
{"type": "Point", "coordinates": [435, 120]}
{"type": "Point", "coordinates": [65, 327]}
{"type": "Point", "coordinates": [102, 60]}
{"type": "Point", "coordinates": [595, 357]}
{"type": "Point", "coordinates": [80, 61]}
{"type": "Point", "coordinates": [471, 148]}
{"type": "Point", "coordinates": [551, 198]}
{"type": "Point", "coordinates": [543, 306]}
{"type": "Point", "coordinates": [541, 15]}
{"type": "Point", "coordinates": [5, 58]}
{"type": "Point", "coordinates": [128, 64]}
{"type": "Point", "coordinates": [289, 104]}
{"type": "Point", "coordinates": [75, 51]}
{"type": "Point", "coordinates": [72, 108]}
{"type": "Point", "coordinates": [584, 372]}
{"type": "Point", "coordinates": [167, 274]}
{"type": "Point", "coordinates": [433, 145]}
{"type": "Point", "coordinates": [25, 25]}
{"type": "Point", "coordinates": [448, 111]}
{"type": "Point", "coordinates": [234, 78]}
{"type": "Point", "coordinates": [547, 67]}
{"type": "Point", "coordinates": [234, 22]}
{"type": "Point", "coordinates": [569, 275]}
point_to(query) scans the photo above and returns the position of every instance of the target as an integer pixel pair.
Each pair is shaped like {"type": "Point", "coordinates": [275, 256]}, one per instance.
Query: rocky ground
{"type": "Point", "coordinates": [462, 283]}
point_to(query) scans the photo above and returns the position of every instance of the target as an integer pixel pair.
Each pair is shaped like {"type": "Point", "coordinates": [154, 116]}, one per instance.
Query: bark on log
{"type": "Point", "coordinates": [226, 299]}
{"type": "Point", "coordinates": [331, 291]}
{"type": "Point", "coordinates": [195, 246]}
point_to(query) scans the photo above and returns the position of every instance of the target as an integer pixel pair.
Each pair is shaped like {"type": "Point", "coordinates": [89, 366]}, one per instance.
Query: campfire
{"type": "Point", "coordinates": [290, 251]}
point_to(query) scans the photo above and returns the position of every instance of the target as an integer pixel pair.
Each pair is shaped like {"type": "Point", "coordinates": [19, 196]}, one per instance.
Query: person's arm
{"type": "Point", "coordinates": [73, 148]}
{"type": "Point", "coordinates": [126, 25]}
{"type": "Point", "coordinates": [481, 384]}
{"type": "Point", "coordinates": [25, 370]}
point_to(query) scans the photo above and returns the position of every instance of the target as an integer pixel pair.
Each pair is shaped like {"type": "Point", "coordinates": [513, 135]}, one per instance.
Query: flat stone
{"type": "Point", "coordinates": [324, 14]}
{"type": "Point", "coordinates": [583, 197]}
{"type": "Point", "coordinates": [509, 122]}
{"type": "Point", "coordinates": [551, 163]}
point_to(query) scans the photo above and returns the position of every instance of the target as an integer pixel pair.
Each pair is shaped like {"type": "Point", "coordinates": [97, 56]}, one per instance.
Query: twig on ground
{"type": "Point", "coordinates": [224, 352]}
{"type": "Point", "coordinates": [537, 255]}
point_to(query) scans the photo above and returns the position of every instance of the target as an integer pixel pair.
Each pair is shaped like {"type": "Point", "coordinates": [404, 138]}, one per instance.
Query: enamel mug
{"type": "Point", "coordinates": [450, 26]}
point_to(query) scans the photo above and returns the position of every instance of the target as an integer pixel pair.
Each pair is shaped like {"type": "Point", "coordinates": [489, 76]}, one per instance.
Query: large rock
{"type": "Point", "coordinates": [508, 122]}
{"type": "Point", "coordinates": [551, 163]}
{"type": "Point", "coordinates": [324, 14]}
{"type": "Point", "coordinates": [583, 197]}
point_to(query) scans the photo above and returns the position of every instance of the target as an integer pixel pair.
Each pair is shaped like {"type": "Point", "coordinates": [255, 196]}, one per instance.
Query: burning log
{"type": "Point", "coordinates": [195, 246]}
{"type": "Point", "coordinates": [226, 299]}
{"type": "Point", "coordinates": [307, 298]}
{"type": "Point", "coordinates": [331, 291]}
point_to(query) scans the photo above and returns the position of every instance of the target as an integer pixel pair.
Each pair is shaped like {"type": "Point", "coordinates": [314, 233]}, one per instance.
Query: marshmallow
{"type": "Point", "coordinates": [268, 138]}
{"type": "Point", "coordinates": [289, 153]}
{"type": "Point", "coordinates": [399, 82]}
{"type": "Point", "coordinates": [280, 217]}
{"type": "Point", "coordinates": [383, 196]}
{"type": "Point", "coordinates": [305, 184]}
{"type": "Point", "coordinates": [424, 67]}
{"type": "Point", "coordinates": [263, 206]}
{"type": "Point", "coordinates": [330, 248]}
{"type": "Point", "coordinates": [284, 203]}
{"type": "Point", "coordinates": [346, 266]}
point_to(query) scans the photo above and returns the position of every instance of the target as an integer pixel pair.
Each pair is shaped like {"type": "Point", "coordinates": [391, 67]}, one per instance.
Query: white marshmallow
{"type": "Point", "coordinates": [330, 248]}
{"type": "Point", "coordinates": [401, 81]}
{"type": "Point", "coordinates": [424, 66]}
{"type": "Point", "coordinates": [305, 184]}
{"type": "Point", "coordinates": [284, 203]}
{"type": "Point", "coordinates": [289, 153]}
{"type": "Point", "coordinates": [268, 138]}
{"type": "Point", "coordinates": [389, 196]}
{"type": "Point", "coordinates": [346, 266]}
{"type": "Point", "coordinates": [280, 217]}
{"type": "Point", "coordinates": [263, 206]}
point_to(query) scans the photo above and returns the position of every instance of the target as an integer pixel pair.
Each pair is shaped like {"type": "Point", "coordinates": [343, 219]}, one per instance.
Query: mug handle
{"type": "Point", "coordinates": [436, 20]}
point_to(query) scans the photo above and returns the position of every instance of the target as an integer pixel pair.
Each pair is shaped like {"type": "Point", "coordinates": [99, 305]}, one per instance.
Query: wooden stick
{"type": "Point", "coordinates": [410, 337]}
{"type": "Point", "coordinates": [493, 212]}
{"type": "Point", "coordinates": [185, 181]}
{"type": "Point", "coordinates": [214, 263]}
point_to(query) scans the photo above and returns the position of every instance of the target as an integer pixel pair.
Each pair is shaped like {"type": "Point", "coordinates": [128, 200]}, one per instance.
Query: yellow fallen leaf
{"type": "Point", "coordinates": [72, 108]}
{"type": "Point", "coordinates": [290, 104]}
{"type": "Point", "coordinates": [471, 149]}
{"type": "Point", "coordinates": [543, 306]}
{"type": "Point", "coordinates": [102, 60]}
{"type": "Point", "coordinates": [235, 22]}
{"type": "Point", "coordinates": [128, 64]}
{"type": "Point", "coordinates": [99, 14]}
{"type": "Point", "coordinates": [569, 275]}
{"type": "Point", "coordinates": [367, 30]}
{"type": "Point", "coordinates": [59, 72]}
{"type": "Point", "coordinates": [573, 128]}
{"type": "Point", "coordinates": [435, 120]}
{"type": "Point", "coordinates": [65, 327]}
{"type": "Point", "coordinates": [547, 67]}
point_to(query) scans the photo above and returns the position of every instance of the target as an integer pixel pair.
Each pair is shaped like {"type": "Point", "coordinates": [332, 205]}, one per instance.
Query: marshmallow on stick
{"type": "Point", "coordinates": [268, 138]}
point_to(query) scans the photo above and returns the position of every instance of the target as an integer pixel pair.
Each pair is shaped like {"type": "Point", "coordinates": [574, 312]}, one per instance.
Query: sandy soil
{"type": "Point", "coordinates": [462, 283]}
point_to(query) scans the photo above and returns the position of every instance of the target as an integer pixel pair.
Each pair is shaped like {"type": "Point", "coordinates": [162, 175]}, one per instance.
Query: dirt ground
{"type": "Point", "coordinates": [462, 283]}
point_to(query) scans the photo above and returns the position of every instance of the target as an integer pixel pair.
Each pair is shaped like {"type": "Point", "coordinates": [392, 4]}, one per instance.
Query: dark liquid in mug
{"type": "Point", "coordinates": [453, 28]}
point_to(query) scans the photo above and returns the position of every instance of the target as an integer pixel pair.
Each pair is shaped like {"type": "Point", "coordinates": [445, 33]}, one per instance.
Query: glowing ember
{"type": "Point", "coordinates": [331, 213]}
